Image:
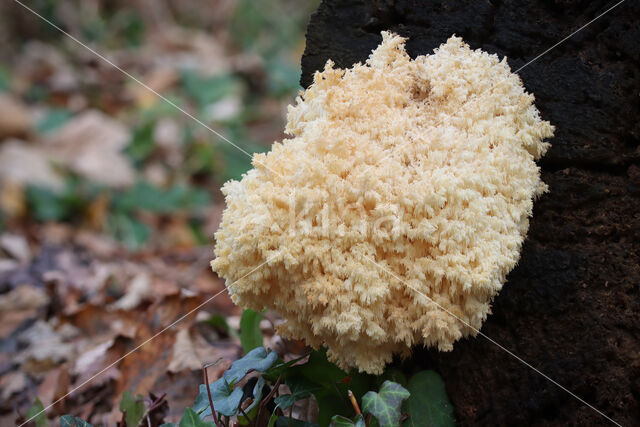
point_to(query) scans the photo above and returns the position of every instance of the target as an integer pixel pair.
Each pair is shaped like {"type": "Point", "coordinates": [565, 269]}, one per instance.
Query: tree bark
{"type": "Point", "coordinates": [571, 308]}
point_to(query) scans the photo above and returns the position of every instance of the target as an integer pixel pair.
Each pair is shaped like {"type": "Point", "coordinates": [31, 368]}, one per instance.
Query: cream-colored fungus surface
{"type": "Point", "coordinates": [426, 166]}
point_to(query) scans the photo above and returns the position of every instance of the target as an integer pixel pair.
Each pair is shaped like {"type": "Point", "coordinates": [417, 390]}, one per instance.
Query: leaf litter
{"type": "Point", "coordinates": [109, 199]}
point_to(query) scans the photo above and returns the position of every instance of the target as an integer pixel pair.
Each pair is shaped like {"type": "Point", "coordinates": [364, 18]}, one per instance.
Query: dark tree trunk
{"type": "Point", "coordinates": [572, 307]}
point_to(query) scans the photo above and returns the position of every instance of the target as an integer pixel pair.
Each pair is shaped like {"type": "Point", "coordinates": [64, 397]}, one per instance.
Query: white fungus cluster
{"type": "Point", "coordinates": [400, 176]}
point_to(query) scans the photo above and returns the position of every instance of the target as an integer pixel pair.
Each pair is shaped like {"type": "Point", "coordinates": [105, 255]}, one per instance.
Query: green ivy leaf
{"type": "Point", "coordinates": [71, 421]}
{"type": "Point", "coordinates": [36, 414]}
{"type": "Point", "coordinates": [142, 143]}
{"type": "Point", "coordinates": [257, 359]}
{"type": "Point", "coordinates": [225, 398]}
{"type": "Point", "coordinates": [340, 421]}
{"type": "Point", "coordinates": [250, 333]}
{"type": "Point", "coordinates": [385, 405]}
{"type": "Point", "coordinates": [252, 410]}
{"type": "Point", "coordinates": [392, 374]}
{"type": "Point", "coordinates": [300, 387]}
{"type": "Point", "coordinates": [281, 368]}
{"type": "Point", "coordinates": [191, 419]}
{"type": "Point", "coordinates": [134, 408]}
{"type": "Point", "coordinates": [428, 403]}
{"type": "Point", "coordinates": [334, 384]}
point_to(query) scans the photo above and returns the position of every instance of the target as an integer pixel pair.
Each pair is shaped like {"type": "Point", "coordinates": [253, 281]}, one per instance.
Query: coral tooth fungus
{"type": "Point", "coordinates": [426, 166]}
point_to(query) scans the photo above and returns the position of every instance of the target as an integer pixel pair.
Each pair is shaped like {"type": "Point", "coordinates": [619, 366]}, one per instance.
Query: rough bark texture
{"type": "Point", "coordinates": [571, 308]}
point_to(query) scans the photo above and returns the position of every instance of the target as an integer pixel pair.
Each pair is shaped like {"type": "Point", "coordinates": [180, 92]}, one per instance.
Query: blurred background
{"type": "Point", "coordinates": [109, 196]}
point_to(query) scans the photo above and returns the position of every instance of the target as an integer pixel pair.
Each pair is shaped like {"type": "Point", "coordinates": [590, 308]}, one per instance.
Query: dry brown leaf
{"type": "Point", "coordinates": [139, 290]}
{"type": "Point", "coordinates": [43, 344]}
{"type": "Point", "coordinates": [23, 297]}
{"type": "Point", "coordinates": [97, 358]}
{"type": "Point", "coordinates": [12, 199]}
{"type": "Point", "coordinates": [54, 385]}
{"type": "Point", "coordinates": [159, 79]}
{"type": "Point", "coordinates": [15, 119]}
{"type": "Point", "coordinates": [97, 212]}
{"type": "Point", "coordinates": [100, 323]}
{"type": "Point", "coordinates": [168, 135]}
{"type": "Point", "coordinates": [98, 244]}
{"type": "Point", "coordinates": [13, 382]}
{"type": "Point", "coordinates": [143, 368]}
{"type": "Point", "coordinates": [184, 355]}
{"type": "Point", "coordinates": [191, 351]}
{"type": "Point", "coordinates": [91, 144]}
{"type": "Point", "coordinates": [12, 320]}
{"type": "Point", "coordinates": [21, 163]}
{"type": "Point", "coordinates": [16, 246]}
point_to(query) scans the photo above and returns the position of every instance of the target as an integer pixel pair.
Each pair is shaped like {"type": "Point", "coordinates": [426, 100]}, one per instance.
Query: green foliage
{"type": "Point", "coordinates": [36, 414]}
{"type": "Point", "coordinates": [191, 419]}
{"type": "Point", "coordinates": [250, 333]}
{"type": "Point", "coordinates": [392, 374]}
{"type": "Point", "coordinates": [257, 360]}
{"type": "Point", "coordinates": [333, 385]}
{"type": "Point", "coordinates": [340, 421]}
{"type": "Point", "coordinates": [282, 78]}
{"type": "Point", "coordinates": [5, 79]}
{"type": "Point", "coordinates": [300, 387]}
{"type": "Point", "coordinates": [146, 197]}
{"type": "Point", "coordinates": [142, 144]}
{"type": "Point", "coordinates": [67, 204]}
{"type": "Point", "coordinates": [71, 421]}
{"type": "Point", "coordinates": [226, 397]}
{"type": "Point", "coordinates": [219, 323]}
{"type": "Point", "coordinates": [428, 403]}
{"type": "Point", "coordinates": [206, 90]}
{"type": "Point", "coordinates": [233, 162]}
{"type": "Point", "coordinates": [52, 120]}
{"type": "Point", "coordinates": [385, 405]}
{"type": "Point", "coordinates": [131, 232]}
{"type": "Point", "coordinates": [423, 402]}
{"type": "Point", "coordinates": [252, 409]}
{"type": "Point", "coordinates": [133, 407]}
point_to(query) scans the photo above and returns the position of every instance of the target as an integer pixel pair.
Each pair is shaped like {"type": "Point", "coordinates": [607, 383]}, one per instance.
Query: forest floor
{"type": "Point", "coordinates": [109, 195]}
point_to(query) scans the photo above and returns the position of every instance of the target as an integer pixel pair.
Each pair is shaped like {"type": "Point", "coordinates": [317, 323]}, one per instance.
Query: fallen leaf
{"type": "Point", "coordinates": [184, 355]}
{"type": "Point", "coordinates": [96, 359]}
{"type": "Point", "coordinates": [225, 109]}
{"type": "Point", "coordinates": [91, 144]}
{"type": "Point", "coordinates": [43, 344]}
{"type": "Point", "coordinates": [54, 385]}
{"type": "Point", "coordinates": [21, 163]}
{"type": "Point", "coordinates": [168, 136]}
{"type": "Point", "coordinates": [16, 246]}
{"type": "Point", "coordinates": [159, 79]}
{"type": "Point", "coordinates": [10, 321]}
{"type": "Point", "coordinates": [13, 382]}
{"type": "Point", "coordinates": [12, 199]}
{"type": "Point", "coordinates": [98, 244]}
{"type": "Point", "coordinates": [139, 290]}
{"type": "Point", "coordinates": [15, 119]}
{"type": "Point", "coordinates": [23, 297]}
